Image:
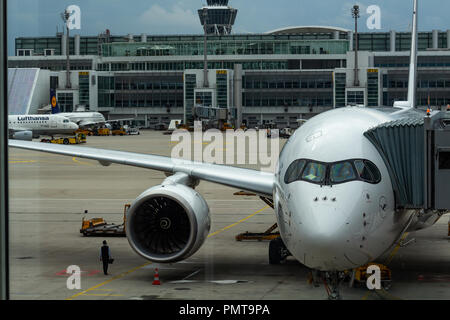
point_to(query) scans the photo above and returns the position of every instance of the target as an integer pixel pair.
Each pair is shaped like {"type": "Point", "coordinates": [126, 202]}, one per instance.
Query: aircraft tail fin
{"type": "Point", "coordinates": [54, 102]}
{"type": "Point", "coordinates": [412, 81]}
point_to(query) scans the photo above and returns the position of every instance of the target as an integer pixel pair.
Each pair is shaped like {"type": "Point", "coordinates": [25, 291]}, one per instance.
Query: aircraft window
{"type": "Point", "coordinates": [342, 172]}
{"type": "Point", "coordinates": [314, 172]}
{"type": "Point", "coordinates": [363, 171]}
{"type": "Point", "coordinates": [368, 171]}
{"type": "Point", "coordinates": [374, 170]}
{"type": "Point", "coordinates": [294, 171]}
{"type": "Point", "coordinates": [333, 173]}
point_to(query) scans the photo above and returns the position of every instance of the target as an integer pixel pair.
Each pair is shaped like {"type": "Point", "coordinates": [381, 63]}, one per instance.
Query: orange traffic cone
{"type": "Point", "coordinates": [156, 281]}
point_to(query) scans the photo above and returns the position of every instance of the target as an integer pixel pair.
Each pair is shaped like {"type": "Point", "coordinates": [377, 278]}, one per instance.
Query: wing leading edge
{"type": "Point", "coordinates": [246, 179]}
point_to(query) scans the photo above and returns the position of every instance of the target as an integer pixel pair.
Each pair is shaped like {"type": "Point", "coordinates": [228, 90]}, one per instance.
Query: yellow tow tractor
{"type": "Point", "coordinates": [119, 132]}
{"type": "Point", "coordinates": [102, 132]}
{"type": "Point", "coordinates": [98, 227]}
{"type": "Point", "coordinates": [87, 132]}
{"type": "Point", "coordinates": [226, 126]}
{"type": "Point", "coordinates": [77, 139]}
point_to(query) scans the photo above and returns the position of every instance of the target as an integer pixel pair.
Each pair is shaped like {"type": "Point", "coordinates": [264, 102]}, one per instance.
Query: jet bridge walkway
{"type": "Point", "coordinates": [416, 151]}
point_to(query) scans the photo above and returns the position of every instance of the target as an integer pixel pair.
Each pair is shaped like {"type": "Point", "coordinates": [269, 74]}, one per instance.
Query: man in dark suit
{"type": "Point", "coordinates": [105, 256]}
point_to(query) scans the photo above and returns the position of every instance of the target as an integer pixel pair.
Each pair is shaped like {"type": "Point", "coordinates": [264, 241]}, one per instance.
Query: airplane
{"type": "Point", "coordinates": [329, 183]}
{"type": "Point", "coordinates": [25, 127]}
{"type": "Point", "coordinates": [83, 119]}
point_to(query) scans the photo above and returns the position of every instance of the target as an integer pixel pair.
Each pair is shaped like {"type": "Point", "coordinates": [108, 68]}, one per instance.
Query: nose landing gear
{"type": "Point", "coordinates": [331, 281]}
{"type": "Point", "coordinates": [334, 279]}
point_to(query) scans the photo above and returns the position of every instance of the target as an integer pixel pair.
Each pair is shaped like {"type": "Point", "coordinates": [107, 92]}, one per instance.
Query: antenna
{"type": "Point", "coordinates": [411, 102]}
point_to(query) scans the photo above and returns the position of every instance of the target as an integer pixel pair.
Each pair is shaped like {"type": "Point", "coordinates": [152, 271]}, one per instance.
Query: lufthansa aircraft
{"type": "Point", "coordinates": [83, 119]}
{"type": "Point", "coordinates": [332, 192]}
{"type": "Point", "coordinates": [26, 127]}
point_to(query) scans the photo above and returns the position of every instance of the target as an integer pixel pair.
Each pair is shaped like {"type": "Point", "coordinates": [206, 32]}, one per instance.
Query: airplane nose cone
{"type": "Point", "coordinates": [325, 230]}
{"type": "Point", "coordinates": [328, 248]}
{"type": "Point", "coordinates": [325, 244]}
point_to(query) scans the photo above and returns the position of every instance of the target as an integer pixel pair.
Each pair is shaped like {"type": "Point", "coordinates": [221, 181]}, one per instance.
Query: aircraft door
{"type": "Point", "coordinates": [53, 123]}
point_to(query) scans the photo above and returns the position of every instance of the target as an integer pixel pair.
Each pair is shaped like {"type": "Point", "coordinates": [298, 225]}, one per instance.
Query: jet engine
{"type": "Point", "coordinates": [22, 135]}
{"type": "Point", "coordinates": [168, 223]}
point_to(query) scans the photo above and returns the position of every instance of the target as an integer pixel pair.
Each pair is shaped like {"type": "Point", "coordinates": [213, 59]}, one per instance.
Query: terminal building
{"type": "Point", "coordinates": [276, 77]}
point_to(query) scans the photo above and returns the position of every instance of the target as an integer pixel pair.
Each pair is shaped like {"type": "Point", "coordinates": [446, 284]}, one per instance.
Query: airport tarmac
{"type": "Point", "coordinates": [48, 197]}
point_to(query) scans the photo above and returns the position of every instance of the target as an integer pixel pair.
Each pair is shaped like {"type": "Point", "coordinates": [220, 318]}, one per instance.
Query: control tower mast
{"type": "Point", "coordinates": [217, 18]}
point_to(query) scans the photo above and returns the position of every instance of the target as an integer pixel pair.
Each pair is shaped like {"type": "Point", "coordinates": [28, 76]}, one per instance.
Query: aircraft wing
{"type": "Point", "coordinates": [117, 120]}
{"type": "Point", "coordinates": [245, 179]}
{"type": "Point", "coordinates": [84, 124]}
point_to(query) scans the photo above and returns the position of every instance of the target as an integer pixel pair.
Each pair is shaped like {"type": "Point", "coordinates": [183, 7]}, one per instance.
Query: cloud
{"type": "Point", "coordinates": [174, 19]}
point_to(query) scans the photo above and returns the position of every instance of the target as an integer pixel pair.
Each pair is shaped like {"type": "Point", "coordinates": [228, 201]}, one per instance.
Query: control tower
{"type": "Point", "coordinates": [219, 17]}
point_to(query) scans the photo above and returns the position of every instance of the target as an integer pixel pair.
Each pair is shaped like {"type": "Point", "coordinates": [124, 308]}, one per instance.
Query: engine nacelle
{"type": "Point", "coordinates": [168, 223]}
{"type": "Point", "coordinates": [22, 135]}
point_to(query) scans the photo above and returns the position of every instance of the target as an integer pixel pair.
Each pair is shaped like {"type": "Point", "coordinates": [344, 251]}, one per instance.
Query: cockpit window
{"type": "Point", "coordinates": [342, 172]}
{"type": "Point", "coordinates": [363, 171]}
{"type": "Point", "coordinates": [368, 171]}
{"type": "Point", "coordinates": [314, 172]}
{"type": "Point", "coordinates": [294, 171]}
{"type": "Point", "coordinates": [332, 173]}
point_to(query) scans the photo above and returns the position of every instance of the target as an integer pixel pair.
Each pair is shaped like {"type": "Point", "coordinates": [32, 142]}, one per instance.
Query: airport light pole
{"type": "Point", "coordinates": [65, 16]}
{"type": "Point", "coordinates": [4, 257]}
{"type": "Point", "coordinates": [355, 15]}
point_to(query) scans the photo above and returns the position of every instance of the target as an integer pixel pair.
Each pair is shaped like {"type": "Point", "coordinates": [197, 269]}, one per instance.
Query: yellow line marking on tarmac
{"type": "Point", "coordinates": [108, 281]}
{"type": "Point", "coordinates": [103, 295]}
{"type": "Point", "coordinates": [397, 247]}
{"type": "Point", "coordinates": [22, 161]}
{"type": "Point", "coordinates": [240, 221]}
{"type": "Point", "coordinates": [74, 159]}
{"type": "Point", "coordinates": [148, 263]}
{"type": "Point", "coordinates": [103, 290]}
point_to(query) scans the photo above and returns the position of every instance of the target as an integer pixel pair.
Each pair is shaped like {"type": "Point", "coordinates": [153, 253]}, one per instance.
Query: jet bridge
{"type": "Point", "coordinates": [416, 151]}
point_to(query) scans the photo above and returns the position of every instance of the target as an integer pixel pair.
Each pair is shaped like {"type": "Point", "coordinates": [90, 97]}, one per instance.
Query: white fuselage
{"type": "Point", "coordinates": [337, 226]}
{"type": "Point", "coordinates": [41, 124]}
{"type": "Point", "coordinates": [84, 119]}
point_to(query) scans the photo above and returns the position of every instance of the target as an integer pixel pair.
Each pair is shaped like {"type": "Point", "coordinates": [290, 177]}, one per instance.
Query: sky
{"type": "Point", "coordinates": [121, 17]}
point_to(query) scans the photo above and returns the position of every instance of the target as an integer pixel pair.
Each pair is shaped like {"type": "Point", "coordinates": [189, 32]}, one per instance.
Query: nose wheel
{"type": "Point", "coordinates": [332, 282]}
{"type": "Point", "coordinates": [277, 251]}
